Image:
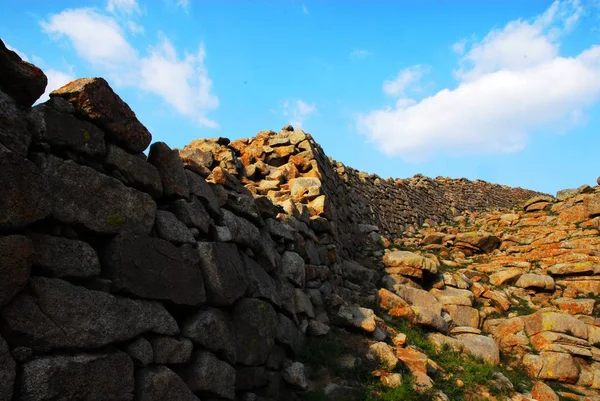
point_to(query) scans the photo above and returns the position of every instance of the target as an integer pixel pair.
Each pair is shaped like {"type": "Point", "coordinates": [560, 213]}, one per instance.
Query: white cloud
{"type": "Point", "coordinates": [299, 112]}
{"type": "Point", "coordinates": [358, 54]}
{"type": "Point", "coordinates": [407, 78]}
{"type": "Point", "coordinates": [511, 84]}
{"type": "Point", "coordinates": [134, 28]}
{"type": "Point", "coordinates": [123, 6]}
{"type": "Point", "coordinates": [182, 82]}
{"type": "Point", "coordinates": [185, 4]}
{"type": "Point", "coordinates": [304, 9]}
{"type": "Point", "coordinates": [459, 47]}
{"type": "Point", "coordinates": [97, 38]}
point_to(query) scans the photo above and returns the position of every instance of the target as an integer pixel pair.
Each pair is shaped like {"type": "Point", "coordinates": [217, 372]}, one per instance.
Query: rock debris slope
{"type": "Point", "coordinates": [238, 270]}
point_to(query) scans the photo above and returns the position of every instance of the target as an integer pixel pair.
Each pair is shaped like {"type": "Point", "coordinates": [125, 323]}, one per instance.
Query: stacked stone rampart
{"type": "Point", "coordinates": [177, 275]}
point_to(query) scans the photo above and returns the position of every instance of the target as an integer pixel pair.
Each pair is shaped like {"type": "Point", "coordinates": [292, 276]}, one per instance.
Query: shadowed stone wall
{"type": "Point", "coordinates": [177, 275]}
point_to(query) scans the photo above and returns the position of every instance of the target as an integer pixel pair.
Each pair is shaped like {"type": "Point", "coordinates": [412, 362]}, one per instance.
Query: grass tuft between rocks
{"type": "Point", "coordinates": [461, 376]}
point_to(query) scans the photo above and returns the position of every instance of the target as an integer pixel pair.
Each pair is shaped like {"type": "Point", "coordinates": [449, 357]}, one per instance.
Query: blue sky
{"type": "Point", "coordinates": [506, 91]}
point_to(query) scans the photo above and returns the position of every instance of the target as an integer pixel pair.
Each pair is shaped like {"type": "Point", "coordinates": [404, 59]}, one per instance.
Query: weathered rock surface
{"type": "Point", "coordinates": [255, 323]}
{"type": "Point", "coordinates": [64, 132]}
{"type": "Point", "coordinates": [56, 314]}
{"type": "Point", "coordinates": [105, 206]}
{"type": "Point", "coordinates": [212, 329]}
{"type": "Point", "coordinates": [62, 257]}
{"type": "Point", "coordinates": [20, 79]}
{"type": "Point", "coordinates": [14, 131]}
{"type": "Point", "coordinates": [223, 270]}
{"type": "Point", "coordinates": [170, 169]}
{"type": "Point", "coordinates": [8, 372]}
{"type": "Point", "coordinates": [94, 100]}
{"type": "Point", "coordinates": [24, 194]}
{"type": "Point", "coordinates": [159, 383]}
{"type": "Point", "coordinates": [16, 254]}
{"type": "Point", "coordinates": [78, 377]}
{"type": "Point", "coordinates": [136, 171]}
{"type": "Point", "coordinates": [153, 268]}
{"type": "Point", "coordinates": [208, 374]}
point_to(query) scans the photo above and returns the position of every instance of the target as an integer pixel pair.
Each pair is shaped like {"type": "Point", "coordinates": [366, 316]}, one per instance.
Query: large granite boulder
{"type": "Point", "coordinates": [224, 272]}
{"type": "Point", "coordinates": [63, 257]}
{"type": "Point", "coordinates": [85, 377]}
{"type": "Point", "coordinates": [21, 80]}
{"type": "Point", "coordinates": [208, 374]}
{"type": "Point", "coordinates": [94, 100]}
{"type": "Point", "coordinates": [63, 131]}
{"type": "Point", "coordinates": [16, 254]}
{"type": "Point", "coordinates": [134, 170]}
{"type": "Point", "coordinates": [56, 314]}
{"type": "Point", "coordinates": [14, 130]}
{"type": "Point", "coordinates": [170, 169]}
{"type": "Point", "coordinates": [212, 329]}
{"type": "Point", "coordinates": [24, 194]}
{"type": "Point", "coordinates": [159, 383]}
{"type": "Point", "coordinates": [8, 372]}
{"type": "Point", "coordinates": [152, 268]}
{"type": "Point", "coordinates": [255, 324]}
{"type": "Point", "coordinates": [81, 195]}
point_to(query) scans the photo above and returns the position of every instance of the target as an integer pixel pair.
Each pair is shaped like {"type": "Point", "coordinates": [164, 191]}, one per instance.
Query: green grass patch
{"type": "Point", "coordinates": [520, 306]}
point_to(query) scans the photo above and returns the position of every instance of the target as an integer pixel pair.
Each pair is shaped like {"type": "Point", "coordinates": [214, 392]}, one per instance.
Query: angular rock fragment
{"type": "Point", "coordinates": [212, 329]}
{"type": "Point", "coordinates": [20, 79]}
{"type": "Point", "coordinates": [170, 228]}
{"type": "Point", "coordinates": [224, 272]}
{"type": "Point", "coordinates": [94, 100]}
{"type": "Point", "coordinates": [170, 169]}
{"type": "Point", "coordinates": [208, 374]}
{"type": "Point", "coordinates": [169, 350]}
{"type": "Point", "coordinates": [137, 172]}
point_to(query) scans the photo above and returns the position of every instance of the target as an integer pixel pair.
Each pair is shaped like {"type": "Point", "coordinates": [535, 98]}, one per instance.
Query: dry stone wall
{"type": "Point", "coordinates": [292, 170]}
{"type": "Point", "coordinates": [180, 275]}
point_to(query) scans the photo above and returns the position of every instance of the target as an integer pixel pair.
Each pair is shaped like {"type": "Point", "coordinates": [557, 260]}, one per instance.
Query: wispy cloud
{"type": "Point", "coordinates": [407, 78]}
{"type": "Point", "coordinates": [298, 112]}
{"type": "Point", "coordinates": [135, 28]}
{"type": "Point", "coordinates": [181, 81]}
{"type": "Point", "coordinates": [459, 47]}
{"type": "Point", "coordinates": [359, 54]}
{"type": "Point", "coordinates": [511, 84]}
{"type": "Point", "coordinates": [123, 6]}
{"type": "Point", "coordinates": [185, 4]}
{"type": "Point", "coordinates": [304, 9]}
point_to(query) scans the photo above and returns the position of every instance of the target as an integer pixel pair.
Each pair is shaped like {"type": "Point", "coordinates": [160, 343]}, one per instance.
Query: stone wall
{"type": "Point", "coordinates": [125, 276]}
{"type": "Point", "coordinates": [292, 170]}
{"type": "Point", "coordinates": [178, 275]}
